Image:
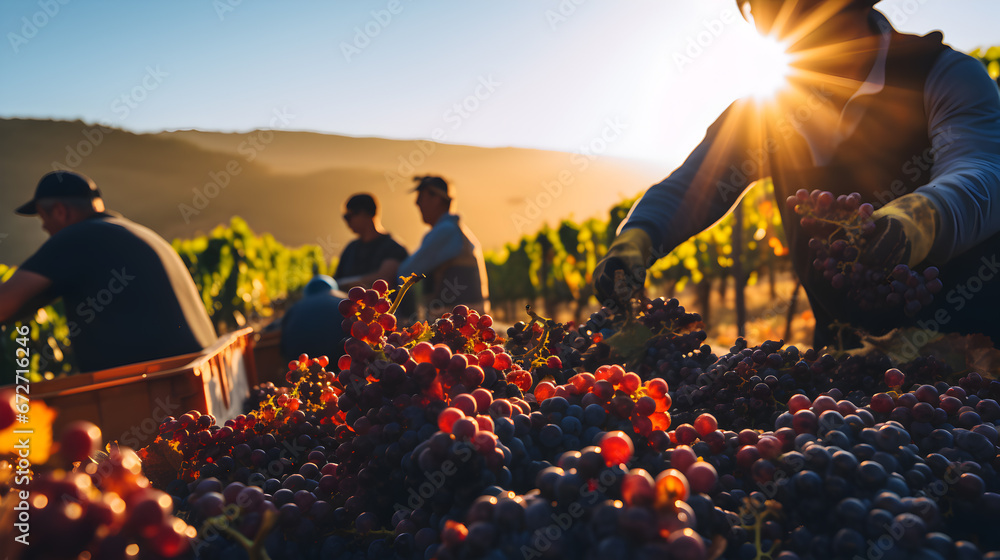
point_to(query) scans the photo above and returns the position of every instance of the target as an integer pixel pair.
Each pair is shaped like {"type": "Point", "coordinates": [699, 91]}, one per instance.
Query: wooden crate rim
{"type": "Point", "coordinates": [133, 373]}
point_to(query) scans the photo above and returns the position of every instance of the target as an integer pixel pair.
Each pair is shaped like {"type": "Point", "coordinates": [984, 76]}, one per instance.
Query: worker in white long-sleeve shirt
{"type": "Point", "coordinates": [449, 255]}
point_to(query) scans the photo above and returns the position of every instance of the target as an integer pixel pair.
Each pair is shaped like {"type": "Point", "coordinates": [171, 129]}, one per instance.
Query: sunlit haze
{"type": "Point", "coordinates": [546, 74]}
{"type": "Point", "coordinates": [771, 64]}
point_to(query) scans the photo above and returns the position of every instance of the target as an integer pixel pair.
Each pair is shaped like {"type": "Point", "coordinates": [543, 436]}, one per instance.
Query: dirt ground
{"type": "Point", "coordinates": [766, 315]}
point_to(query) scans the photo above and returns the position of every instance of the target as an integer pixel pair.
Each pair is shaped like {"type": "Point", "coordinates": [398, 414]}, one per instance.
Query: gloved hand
{"type": "Point", "coordinates": [905, 230]}
{"type": "Point", "coordinates": [630, 252]}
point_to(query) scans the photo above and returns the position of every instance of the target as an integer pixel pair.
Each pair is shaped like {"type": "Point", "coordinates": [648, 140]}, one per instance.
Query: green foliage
{"type": "Point", "coordinates": [48, 335]}
{"type": "Point", "coordinates": [242, 276]}
{"type": "Point", "coordinates": [991, 60]}
{"type": "Point", "coordinates": [556, 264]}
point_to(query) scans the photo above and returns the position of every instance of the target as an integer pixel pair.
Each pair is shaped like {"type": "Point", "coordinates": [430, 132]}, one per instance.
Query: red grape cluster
{"type": "Point", "coordinates": [623, 394]}
{"type": "Point", "coordinates": [464, 330]}
{"type": "Point", "coordinates": [367, 314]}
{"type": "Point", "coordinates": [105, 508]}
{"type": "Point", "coordinates": [840, 229]}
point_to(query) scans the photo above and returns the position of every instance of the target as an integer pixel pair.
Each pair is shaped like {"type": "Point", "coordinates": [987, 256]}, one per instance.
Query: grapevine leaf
{"type": "Point", "coordinates": [630, 342]}
{"type": "Point", "coordinates": [160, 461]}
{"type": "Point", "coordinates": [974, 352]}
{"type": "Point", "coordinates": [962, 353]}
{"type": "Point", "coordinates": [421, 332]}
{"type": "Point", "coordinates": [897, 344]}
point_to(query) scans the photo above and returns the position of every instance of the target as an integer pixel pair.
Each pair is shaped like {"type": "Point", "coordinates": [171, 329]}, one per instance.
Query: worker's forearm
{"type": "Point", "coordinates": [700, 191]}
{"type": "Point", "coordinates": [10, 311]}
{"type": "Point", "coordinates": [22, 295]}
{"type": "Point", "coordinates": [963, 111]}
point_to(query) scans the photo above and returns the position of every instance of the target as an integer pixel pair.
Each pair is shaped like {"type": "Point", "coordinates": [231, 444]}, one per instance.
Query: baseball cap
{"type": "Point", "coordinates": [432, 183]}
{"type": "Point", "coordinates": [59, 184]}
{"type": "Point", "coordinates": [320, 284]}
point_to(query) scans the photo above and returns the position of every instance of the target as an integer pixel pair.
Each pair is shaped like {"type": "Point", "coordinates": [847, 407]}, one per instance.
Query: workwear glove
{"type": "Point", "coordinates": [905, 230]}
{"type": "Point", "coordinates": [629, 252]}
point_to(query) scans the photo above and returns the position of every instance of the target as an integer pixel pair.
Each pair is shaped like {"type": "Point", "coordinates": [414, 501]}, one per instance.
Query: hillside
{"type": "Point", "coordinates": [293, 184]}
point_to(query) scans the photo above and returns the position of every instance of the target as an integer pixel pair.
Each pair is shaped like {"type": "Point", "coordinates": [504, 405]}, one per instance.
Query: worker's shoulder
{"type": "Point", "coordinates": [448, 221]}
{"type": "Point", "coordinates": [117, 222]}
{"type": "Point", "coordinates": [112, 231]}
{"type": "Point", "coordinates": [959, 80]}
{"type": "Point", "coordinates": [957, 64]}
{"type": "Point", "coordinates": [390, 243]}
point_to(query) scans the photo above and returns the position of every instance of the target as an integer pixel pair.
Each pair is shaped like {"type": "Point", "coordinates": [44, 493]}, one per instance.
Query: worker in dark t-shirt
{"type": "Point", "coordinates": [127, 294]}
{"type": "Point", "coordinates": [373, 255]}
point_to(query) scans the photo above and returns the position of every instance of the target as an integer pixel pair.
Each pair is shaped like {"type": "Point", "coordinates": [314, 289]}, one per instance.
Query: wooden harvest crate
{"type": "Point", "coordinates": [267, 356]}
{"type": "Point", "coordinates": [129, 402]}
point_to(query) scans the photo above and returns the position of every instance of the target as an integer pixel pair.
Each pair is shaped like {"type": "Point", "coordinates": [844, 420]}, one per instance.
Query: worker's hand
{"type": "Point", "coordinates": [905, 230]}
{"type": "Point", "coordinates": [630, 253]}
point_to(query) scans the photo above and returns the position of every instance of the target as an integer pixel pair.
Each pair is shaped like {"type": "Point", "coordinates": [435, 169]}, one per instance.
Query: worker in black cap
{"type": "Point", "coordinates": [450, 255]}
{"type": "Point", "coordinates": [127, 294]}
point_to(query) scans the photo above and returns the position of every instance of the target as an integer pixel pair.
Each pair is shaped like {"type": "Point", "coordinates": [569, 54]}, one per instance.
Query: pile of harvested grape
{"type": "Point", "coordinates": [623, 438]}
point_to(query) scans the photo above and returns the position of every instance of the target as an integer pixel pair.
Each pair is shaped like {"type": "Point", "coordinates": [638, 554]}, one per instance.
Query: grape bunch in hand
{"type": "Point", "coordinates": [840, 230]}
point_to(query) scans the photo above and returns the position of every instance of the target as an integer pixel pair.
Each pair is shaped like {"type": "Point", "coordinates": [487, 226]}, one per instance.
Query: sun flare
{"type": "Point", "coordinates": [770, 67]}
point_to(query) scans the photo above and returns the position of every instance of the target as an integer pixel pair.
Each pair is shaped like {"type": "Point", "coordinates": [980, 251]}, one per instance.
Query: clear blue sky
{"type": "Point", "coordinates": [548, 73]}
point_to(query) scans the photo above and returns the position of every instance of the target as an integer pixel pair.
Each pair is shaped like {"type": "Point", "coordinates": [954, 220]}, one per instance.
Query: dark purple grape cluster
{"type": "Point", "coordinates": [260, 394]}
{"type": "Point", "coordinates": [464, 330]}
{"type": "Point", "coordinates": [662, 315]}
{"type": "Point", "coordinates": [549, 337]}
{"type": "Point", "coordinates": [840, 229]}
{"type": "Point", "coordinates": [909, 475]}
{"type": "Point", "coordinates": [749, 386]}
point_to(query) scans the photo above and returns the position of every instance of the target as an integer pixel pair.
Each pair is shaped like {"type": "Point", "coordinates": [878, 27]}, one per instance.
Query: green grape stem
{"type": "Point", "coordinates": [255, 548]}
{"type": "Point", "coordinates": [529, 356]}
{"type": "Point", "coordinates": [771, 509]}
{"type": "Point", "coordinates": [409, 281]}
